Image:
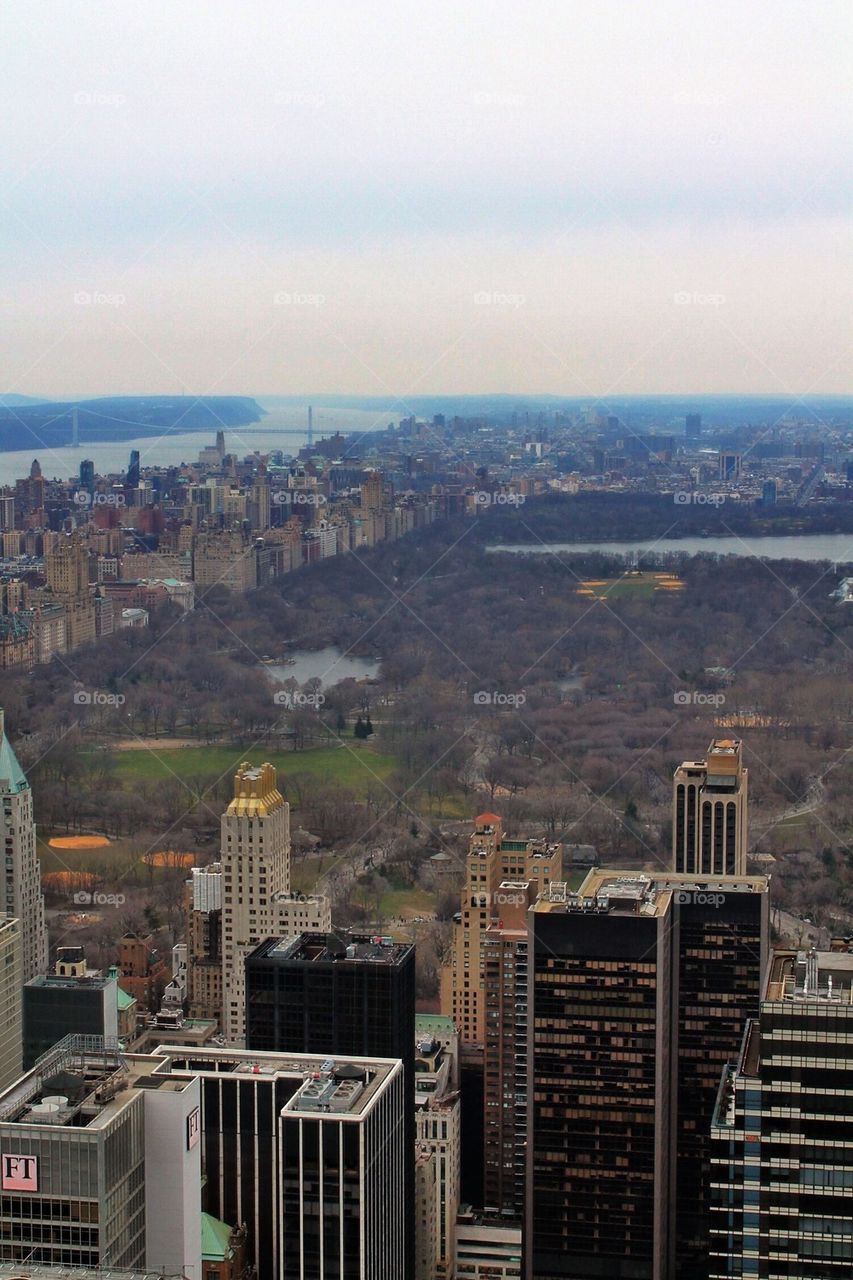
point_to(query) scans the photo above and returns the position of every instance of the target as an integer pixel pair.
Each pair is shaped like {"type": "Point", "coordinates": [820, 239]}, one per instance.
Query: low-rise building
{"type": "Point", "coordinates": [486, 1248]}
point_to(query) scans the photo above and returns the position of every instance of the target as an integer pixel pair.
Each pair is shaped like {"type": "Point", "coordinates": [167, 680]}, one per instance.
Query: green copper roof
{"type": "Point", "coordinates": [215, 1239]}
{"type": "Point", "coordinates": [436, 1022]}
{"type": "Point", "coordinates": [12, 776]}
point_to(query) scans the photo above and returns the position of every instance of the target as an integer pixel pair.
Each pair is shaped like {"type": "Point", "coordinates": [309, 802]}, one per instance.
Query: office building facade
{"type": "Point", "coordinates": [439, 1135]}
{"type": "Point", "coordinates": [492, 859]}
{"type": "Point", "coordinates": [99, 1164]}
{"type": "Point", "coordinates": [709, 812]}
{"type": "Point", "coordinates": [338, 995]}
{"type": "Point", "coordinates": [22, 896]}
{"type": "Point", "coordinates": [505, 969]}
{"type": "Point", "coordinates": [55, 1006]}
{"type": "Point", "coordinates": [11, 1048]}
{"type": "Point", "coordinates": [639, 989]}
{"type": "Point", "coordinates": [309, 1154]}
{"type": "Point", "coordinates": [782, 1135]}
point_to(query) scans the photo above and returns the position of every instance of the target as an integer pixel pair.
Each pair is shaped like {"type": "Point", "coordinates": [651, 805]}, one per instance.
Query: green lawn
{"type": "Point", "coordinates": [355, 766]}
{"type": "Point", "coordinates": [642, 584]}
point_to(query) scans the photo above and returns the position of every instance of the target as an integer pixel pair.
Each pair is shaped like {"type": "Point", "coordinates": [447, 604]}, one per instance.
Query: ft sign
{"type": "Point", "coordinates": [19, 1173]}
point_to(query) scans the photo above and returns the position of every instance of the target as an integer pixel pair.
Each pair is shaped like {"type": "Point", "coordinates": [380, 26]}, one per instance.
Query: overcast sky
{"type": "Point", "coordinates": [272, 197]}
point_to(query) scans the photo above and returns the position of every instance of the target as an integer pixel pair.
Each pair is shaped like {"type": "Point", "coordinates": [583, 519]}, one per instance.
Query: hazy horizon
{"type": "Point", "coordinates": [594, 202]}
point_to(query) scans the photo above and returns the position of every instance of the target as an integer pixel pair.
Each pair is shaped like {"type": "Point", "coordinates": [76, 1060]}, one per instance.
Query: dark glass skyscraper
{"type": "Point", "coordinates": [640, 987]}
{"type": "Point", "coordinates": [340, 996]}
{"type": "Point", "coordinates": [693, 426]}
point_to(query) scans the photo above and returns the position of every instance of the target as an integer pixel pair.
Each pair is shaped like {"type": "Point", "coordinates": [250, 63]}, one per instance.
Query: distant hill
{"type": "Point", "coordinates": [638, 411]}
{"type": "Point", "coordinates": [9, 398]}
{"type": "Point", "coordinates": [25, 423]}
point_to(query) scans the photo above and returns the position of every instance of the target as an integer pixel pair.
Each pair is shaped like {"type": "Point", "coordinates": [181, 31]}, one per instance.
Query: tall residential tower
{"type": "Point", "coordinates": [22, 895]}
{"type": "Point", "coordinates": [709, 812]}
{"type": "Point", "coordinates": [255, 861]}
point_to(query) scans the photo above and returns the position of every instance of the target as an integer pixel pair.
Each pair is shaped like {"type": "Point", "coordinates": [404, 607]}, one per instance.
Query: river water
{"type": "Point", "coordinates": [284, 429]}
{"type": "Point", "coordinates": [808, 546]}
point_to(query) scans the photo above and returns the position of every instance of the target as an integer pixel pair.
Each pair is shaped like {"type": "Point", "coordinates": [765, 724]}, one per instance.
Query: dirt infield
{"type": "Point", "coordinates": [79, 842]}
{"type": "Point", "coordinates": [66, 880]}
{"type": "Point", "coordinates": [169, 858]}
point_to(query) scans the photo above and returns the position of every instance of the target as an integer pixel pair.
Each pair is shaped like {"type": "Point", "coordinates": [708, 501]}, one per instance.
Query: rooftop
{"type": "Point", "coordinates": [613, 892]}
{"type": "Point", "coordinates": [346, 1086]}
{"type": "Point", "coordinates": [256, 792]}
{"type": "Point", "coordinates": [334, 948]}
{"type": "Point", "coordinates": [82, 1082]}
{"type": "Point", "coordinates": [55, 982]}
{"type": "Point", "coordinates": [12, 776]}
{"type": "Point", "coordinates": [45, 1271]}
{"type": "Point", "coordinates": [819, 977]}
{"type": "Point", "coordinates": [85, 1082]}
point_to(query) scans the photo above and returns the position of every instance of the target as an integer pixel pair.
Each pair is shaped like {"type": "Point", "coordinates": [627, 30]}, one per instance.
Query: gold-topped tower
{"type": "Point", "coordinates": [256, 792]}
{"type": "Point", "coordinates": [255, 877]}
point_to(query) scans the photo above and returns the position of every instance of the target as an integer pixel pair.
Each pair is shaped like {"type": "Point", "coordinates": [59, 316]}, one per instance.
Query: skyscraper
{"type": "Point", "coordinates": [438, 1122]}
{"type": "Point", "coordinates": [492, 859]}
{"type": "Point", "coordinates": [505, 966]}
{"type": "Point", "coordinates": [709, 812]}
{"type": "Point", "coordinates": [782, 1136]}
{"type": "Point", "coordinates": [22, 896]}
{"type": "Point", "coordinates": [132, 478]}
{"type": "Point", "coordinates": [204, 931]}
{"type": "Point", "coordinates": [68, 1002]}
{"type": "Point", "coordinates": [100, 1163]}
{"type": "Point", "coordinates": [693, 427]}
{"type": "Point", "coordinates": [639, 989]}
{"type": "Point", "coordinates": [10, 1001]}
{"type": "Point", "coordinates": [340, 996]}
{"type": "Point", "coordinates": [722, 950]}
{"type": "Point", "coordinates": [310, 1154]}
{"type": "Point", "coordinates": [66, 567]}
{"type": "Point", "coordinates": [255, 860]}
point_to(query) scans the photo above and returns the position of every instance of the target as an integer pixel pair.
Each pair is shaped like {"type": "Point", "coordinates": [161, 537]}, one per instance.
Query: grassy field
{"type": "Point", "coordinates": [356, 767]}
{"type": "Point", "coordinates": [400, 903]}
{"type": "Point", "coordinates": [639, 584]}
